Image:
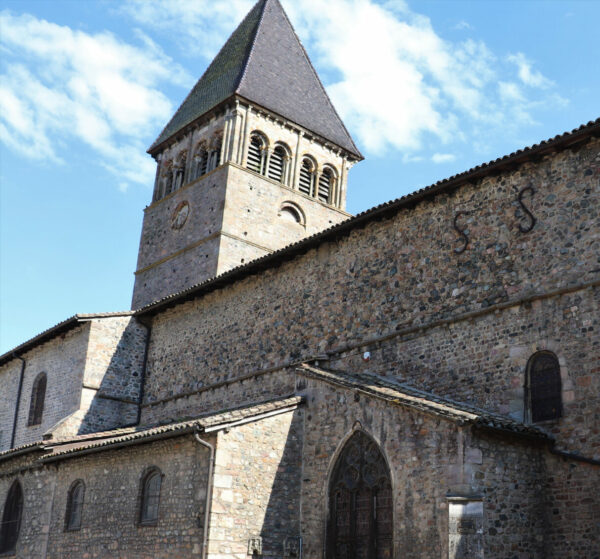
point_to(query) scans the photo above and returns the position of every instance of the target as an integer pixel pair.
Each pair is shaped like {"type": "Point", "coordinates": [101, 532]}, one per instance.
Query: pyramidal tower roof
{"type": "Point", "coordinates": [264, 62]}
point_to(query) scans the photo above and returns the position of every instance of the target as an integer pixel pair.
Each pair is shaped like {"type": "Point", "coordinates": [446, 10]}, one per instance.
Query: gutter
{"type": "Point", "coordinates": [18, 403]}
{"type": "Point", "coordinates": [208, 503]}
{"type": "Point", "coordinates": [7, 455]}
{"type": "Point", "coordinates": [76, 453]}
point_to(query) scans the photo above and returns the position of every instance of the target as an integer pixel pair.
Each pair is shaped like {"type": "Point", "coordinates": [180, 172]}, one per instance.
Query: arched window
{"type": "Point", "coordinates": [75, 505]}
{"type": "Point", "coordinates": [543, 387]}
{"type": "Point", "coordinates": [168, 178]}
{"type": "Point", "coordinates": [292, 212]}
{"type": "Point", "coordinates": [200, 160]}
{"type": "Point", "coordinates": [214, 157]}
{"type": "Point", "coordinates": [257, 153]}
{"type": "Point", "coordinates": [326, 185]}
{"type": "Point", "coordinates": [306, 181]}
{"type": "Point", "coordinates": [360, 503]}
{"type": "Point", "coordinates": [180, 171]}
{"type": "Point", "coordinates": [38, 395]}
{"type": "Point", "coordinates": [150, 496]}
{"type": "Point", "coordinates": [278, 164]}
{"type": "Point", "coordinates": [11, 518]}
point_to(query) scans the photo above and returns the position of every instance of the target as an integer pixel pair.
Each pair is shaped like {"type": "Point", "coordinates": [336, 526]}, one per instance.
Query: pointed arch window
{"type": "Point", "coordinates": [278, 163]}
{"type": "Point", "coordinates": [257, 153]}
{"type": "Point", "coordinates": [38, 396]}
{"type": "Point", "coordinates": [150, 496]}
{"type": "Point", "coordinates": [306, 182]}
{"type": "Point", "coordinates": [327, 182]}
{"type": "Point", "coordinates": [11, 518]}
{"type": "Point", "coordinates": [543, 387]}
{"type": "Point", "coordinates": [360, 503]}
{"type": "Point", "coordinates": [75, 506]}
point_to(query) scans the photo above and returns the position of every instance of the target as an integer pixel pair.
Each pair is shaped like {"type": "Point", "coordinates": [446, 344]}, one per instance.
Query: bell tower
{"type": "Point", "coordinates": [255, 158]}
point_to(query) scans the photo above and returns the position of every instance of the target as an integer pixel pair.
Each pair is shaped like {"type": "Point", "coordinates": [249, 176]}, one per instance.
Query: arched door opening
{"type": "Point", "coordinates": [360, 522]}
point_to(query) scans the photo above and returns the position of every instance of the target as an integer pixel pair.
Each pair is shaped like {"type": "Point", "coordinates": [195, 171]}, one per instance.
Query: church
{"type": "Point", "coordinates": [419, 381]}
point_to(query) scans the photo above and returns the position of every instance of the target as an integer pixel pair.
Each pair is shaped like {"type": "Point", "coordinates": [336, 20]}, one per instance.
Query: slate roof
{"type": "Point", "coordinates": [574, 138]}
{"type": "Point", "coordinates": [264, 62]}
{"type": "Point", "coordinates": [402, 394]}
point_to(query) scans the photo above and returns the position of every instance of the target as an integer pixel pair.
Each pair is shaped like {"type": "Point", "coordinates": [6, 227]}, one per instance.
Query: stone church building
{"type": "Point", "coordinates": [421, 380]}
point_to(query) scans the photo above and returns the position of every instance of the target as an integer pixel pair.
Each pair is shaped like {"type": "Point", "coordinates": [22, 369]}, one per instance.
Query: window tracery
{"type": "Point", "coordinates": [360, 503]}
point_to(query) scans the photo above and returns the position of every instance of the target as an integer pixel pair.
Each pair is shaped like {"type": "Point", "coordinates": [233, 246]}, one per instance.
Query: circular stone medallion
{"type": "Point", "coordinates": [180, 215]}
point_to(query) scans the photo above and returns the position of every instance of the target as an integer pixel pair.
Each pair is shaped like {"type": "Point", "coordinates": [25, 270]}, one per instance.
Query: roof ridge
{"type": "Point", "coordinates": [251, 50]}
{"type": "Point", "coordinates": [319, 80]}
{"type": "Point", "coordinates": [159, 139]}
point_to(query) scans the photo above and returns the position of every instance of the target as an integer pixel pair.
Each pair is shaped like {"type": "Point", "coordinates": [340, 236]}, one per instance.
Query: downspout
{"type": "Point", "coordinates": [51, 507]}
{"type": "Point", "coordinates": [207, 506]}
{"type": "Point", "coordinates": [148, 328]}
{"type": "Point", "coordinates": [17, 405]}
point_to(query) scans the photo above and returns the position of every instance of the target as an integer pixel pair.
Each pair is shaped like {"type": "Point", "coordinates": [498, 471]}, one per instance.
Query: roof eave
{"type": "Point", "coordinates": [506, 163]}
{"type": "Point", "coordinates": [54, 331]}
{"type": "Point", "coordinates": [155, 149]}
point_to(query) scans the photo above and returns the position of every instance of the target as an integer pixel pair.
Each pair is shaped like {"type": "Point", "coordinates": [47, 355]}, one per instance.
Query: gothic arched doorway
{"type": "Point", "coordinates": [360, 503]}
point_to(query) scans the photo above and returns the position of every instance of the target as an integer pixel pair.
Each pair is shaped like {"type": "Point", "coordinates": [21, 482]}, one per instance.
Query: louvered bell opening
{"type": "Point", "coordinates": [255, 155]}
{"type": "Point", "coordinates": [203, 164]}
{"type": "Point", "coordinates": [325, 182]}
{"type": "Point", "coordinates": [276, 164]}
{"type": "Point", "coordinates": [306, 178]}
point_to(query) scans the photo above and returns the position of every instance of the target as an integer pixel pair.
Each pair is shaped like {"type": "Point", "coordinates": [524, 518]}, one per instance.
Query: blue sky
{"type": "Point", "coordinates": [428, 89]}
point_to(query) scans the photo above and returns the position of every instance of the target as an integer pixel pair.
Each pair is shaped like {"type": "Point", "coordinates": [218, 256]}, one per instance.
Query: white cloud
{"type": "Point", "coordinates": [527, 75]}
{"type": "Point", "coordinates": [443, 157]}
{"type": "Point", "coordinates": [396, 82]}
{"type": "Point", "coordinates": [463, 25]}
{"type": "Point", "coordinates": [60, 84]}
{"type": "Point", "coordinates": [200, 26]}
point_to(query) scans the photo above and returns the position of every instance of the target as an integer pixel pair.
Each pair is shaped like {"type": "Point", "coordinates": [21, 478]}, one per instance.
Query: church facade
{"type": "Point", "coordinates": [418, 381]}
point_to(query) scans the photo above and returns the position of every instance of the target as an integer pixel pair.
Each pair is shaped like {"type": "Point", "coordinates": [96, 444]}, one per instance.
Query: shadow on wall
{"type": "Point", "coordinates": [112, 385]}
{"type": "Point", "coordinates": [280, 534]}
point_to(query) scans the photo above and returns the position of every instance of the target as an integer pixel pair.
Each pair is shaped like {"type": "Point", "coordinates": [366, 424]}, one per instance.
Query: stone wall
{"type": "Point", "coordinates": [572, 508]}
{"type": "Point", "coordinates": [257, 484]}
{"type": "Point", "coordinates": [113, 373]}
{"type": "Point", "coordinates": [110, 527]}
{"type": "Point", "coordinates": [429, 458]}
{"type": "Point", "coordinates": [243, 205]}
{"type": "Point", "coordinates": [38, 484]}
{"type": "Point", "coordinates": [223, 396]}
{"type": "Point", "coordinates": [402, 273]}
{"type": "Point", "coordinates": [483, 359]}
{"type": "Point", "coordinates": [63, 361]}
{"type": "Point", "coordinates": [93, 381]}
{"type": "Point", "coordinates": [9, 388]}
